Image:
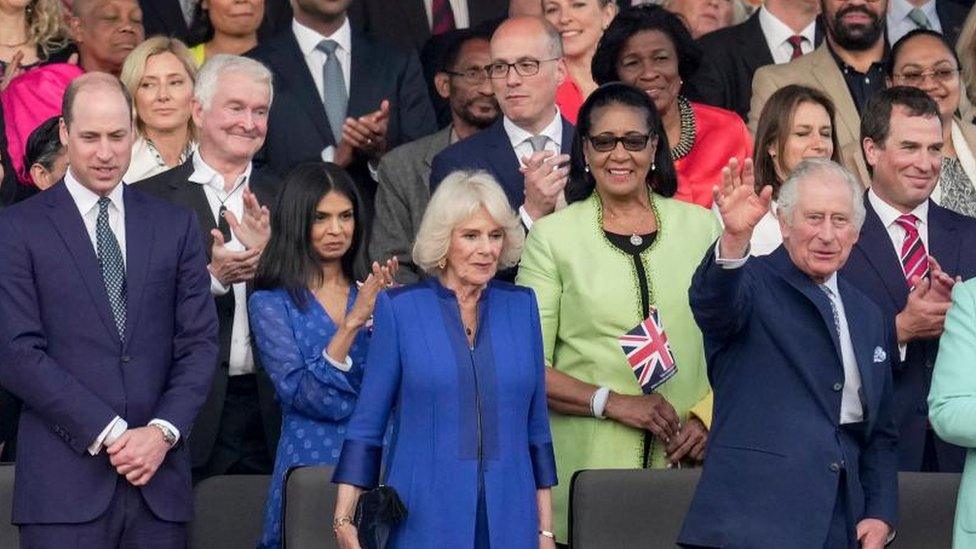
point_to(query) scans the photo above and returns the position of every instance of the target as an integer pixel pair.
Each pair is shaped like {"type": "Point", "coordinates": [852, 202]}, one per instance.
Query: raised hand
{"type": "Point", "coordinates": [368, 132]}
{"type": "Point", "coordinates": [546, 175]}
{"type": "Point", "coordinates": [230, 267]}
{"type": "Point", "coordinates": [254, 228]}
{"type": "Point", "coordinates": [942, 283]}
{"type": "Point", "coordinates": [740, 207]}
{"type": "Point", "coordinates": [924, 314]}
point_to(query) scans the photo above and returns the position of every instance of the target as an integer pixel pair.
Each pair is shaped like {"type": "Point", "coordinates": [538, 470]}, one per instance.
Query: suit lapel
{"type": "Point", "coordinates": [875, 244]}
{"type": "Point", "coordinates": [291, 68]}
{"type": "Point", "coordinates": [825, 70]}
{"type": "Point", "coordinates": [569, 131]}
{"type": "Point", "coordinates": [191, 196]}
{"type": "Point", "coordinates": [414, 16]}
{"type": "Point", "coordinates": [138, 250]}
{"type": "Point", "coordinates": [752, 33]}
{"type": "Point", "coordinates": [943, 245]}
{"type": "Point", "coordinates": [364, 93]}
{"type": "Point", "coordinates": [503, 161]}
{"type": "Point", "coordinates": [67, 221]}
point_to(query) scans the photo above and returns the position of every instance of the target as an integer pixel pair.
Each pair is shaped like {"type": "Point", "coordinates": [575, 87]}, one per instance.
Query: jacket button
{"type": "Point", "coordinates": [834, 467]}
{"type": "Point", "coordinates": [126, 359]}
{"type": "Point", "coordinates": [838, 386]}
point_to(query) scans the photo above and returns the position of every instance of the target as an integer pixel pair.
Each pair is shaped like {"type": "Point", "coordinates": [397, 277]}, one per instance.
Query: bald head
{"type": "Point", "coordinates": [91, 82]}
{"type": "Point", "coordinates": [531, 27]}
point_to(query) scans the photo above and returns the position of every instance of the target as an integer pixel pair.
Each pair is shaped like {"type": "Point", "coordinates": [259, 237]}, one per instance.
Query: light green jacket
{"type": "Point", "coordinates": [589, 296]}
{"type": "Point", "coordinates": [952, 402]}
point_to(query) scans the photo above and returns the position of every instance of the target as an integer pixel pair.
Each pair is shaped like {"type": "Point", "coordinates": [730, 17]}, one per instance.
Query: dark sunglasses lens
{"type": "Point", "coordinates": [635, 142]}
{"type": "Point", "coordinates": [603, 143]}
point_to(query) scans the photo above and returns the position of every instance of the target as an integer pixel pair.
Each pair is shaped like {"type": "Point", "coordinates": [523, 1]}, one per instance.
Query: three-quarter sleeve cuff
{"type": "Point", "coordinates": [359, 464]}
{"type": "Point", "coordinates": [543, 464]}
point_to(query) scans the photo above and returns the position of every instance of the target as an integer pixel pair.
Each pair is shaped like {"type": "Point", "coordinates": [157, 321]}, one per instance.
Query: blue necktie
{"type": "Point", "coordinates": [334, 95]}
{"type": "Point", "coordinates": [113, 269]}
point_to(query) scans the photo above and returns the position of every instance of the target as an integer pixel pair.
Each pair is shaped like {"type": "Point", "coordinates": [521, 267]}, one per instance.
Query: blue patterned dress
{"type": "Point", "coordinates": [316, 398]}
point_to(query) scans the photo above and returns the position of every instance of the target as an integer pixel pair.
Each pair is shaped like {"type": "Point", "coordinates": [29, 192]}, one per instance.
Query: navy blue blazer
{"type": "Point", "coordinates": [775, 450]}
{"type": "Point", "coordinates": [60, 350]}
{"type": "Point", "coordinates": [298, 128]}
{"type": "Point", "coordinates": [490, 150]}
{"type": "Point", "coordinates": [874, 267]}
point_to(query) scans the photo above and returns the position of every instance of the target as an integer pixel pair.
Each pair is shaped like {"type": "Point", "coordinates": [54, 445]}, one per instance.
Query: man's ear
{"type": "Point", "coordinates": [442, 83]}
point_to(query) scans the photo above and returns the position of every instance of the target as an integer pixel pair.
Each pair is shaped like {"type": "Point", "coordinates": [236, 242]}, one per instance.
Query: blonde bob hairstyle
{"type": "Point", "coordinates": [135, 67]}
{"type": "Point", "coordinates": [457, 198]}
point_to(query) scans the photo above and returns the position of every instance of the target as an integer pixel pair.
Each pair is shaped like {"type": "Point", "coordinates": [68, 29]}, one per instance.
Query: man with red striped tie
{"type": "Point", "coordinates": [909, 254]}
{"type": "Point", "coordinates": [411, 23]}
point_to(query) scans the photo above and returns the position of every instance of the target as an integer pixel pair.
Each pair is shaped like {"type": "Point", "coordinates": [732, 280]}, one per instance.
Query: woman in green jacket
{"type": "Point", "coordinates": [627, 385]}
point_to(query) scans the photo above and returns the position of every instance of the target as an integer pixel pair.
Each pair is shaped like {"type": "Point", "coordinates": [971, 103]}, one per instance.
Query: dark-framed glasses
{"type": "Point", "coordinates": [471, 76]}
{"type": "Point", "coordinates": [606, 142]}
{"type": "Point", "coordinates": [523, 67]}
{"type": "Point", "coordinates": [913, 77]}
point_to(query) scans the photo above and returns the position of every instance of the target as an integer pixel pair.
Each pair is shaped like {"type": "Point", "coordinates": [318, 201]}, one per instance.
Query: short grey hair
{"type": "Point", "coordinates": [813, 171]}
{"type": "Point", "coordinates": [457, 198]}
{"type": "Point", "coordinates": [209, 76]}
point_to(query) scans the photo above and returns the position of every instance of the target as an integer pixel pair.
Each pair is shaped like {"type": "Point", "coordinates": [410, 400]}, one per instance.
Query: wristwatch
{"type": "Point", "coordinates": [168, 436]}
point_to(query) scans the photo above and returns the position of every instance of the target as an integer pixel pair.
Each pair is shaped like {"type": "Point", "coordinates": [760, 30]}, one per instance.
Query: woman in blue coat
{"type": "Point", "coordinates": [308, 319]}
{"type": "Point", "coordinates": [457, 362]}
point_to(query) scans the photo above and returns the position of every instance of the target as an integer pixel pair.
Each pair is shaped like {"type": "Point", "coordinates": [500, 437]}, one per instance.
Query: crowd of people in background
{"type": "Point", "coordinates": [463, 249]}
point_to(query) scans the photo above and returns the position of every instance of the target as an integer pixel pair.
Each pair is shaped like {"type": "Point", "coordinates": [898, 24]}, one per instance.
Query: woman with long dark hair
{"type": "Point", "coordinates": [610, 270]}
{"type": "Point", "coordinates": [309, 319]}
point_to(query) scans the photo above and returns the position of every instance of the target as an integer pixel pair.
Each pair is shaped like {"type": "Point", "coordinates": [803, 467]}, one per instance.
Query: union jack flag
{"type": "Point", "coordinates": [649, 353]}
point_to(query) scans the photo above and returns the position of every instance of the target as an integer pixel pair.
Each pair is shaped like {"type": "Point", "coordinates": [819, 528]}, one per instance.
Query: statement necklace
{"type": "Point", "coordinates": [688, 130]}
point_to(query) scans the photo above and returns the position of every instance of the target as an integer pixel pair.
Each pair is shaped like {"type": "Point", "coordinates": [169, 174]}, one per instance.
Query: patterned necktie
{"type": "Point", "coordinates": [538, 142]}
{"type": "Point", "coordinates": [918, 17]}
{"type": "Point", "coordinates": [833, 306]}
{"type": "Point", "coordinates": [796, 42]}
{"type": "Point", "coordinates": [914, 258]}
{"type": "Point", "coordinates": [442, 17]}
{"type": "Point", "coordinates": [113, 269]}
{"type": "Point", "coordinates": [334, 94]}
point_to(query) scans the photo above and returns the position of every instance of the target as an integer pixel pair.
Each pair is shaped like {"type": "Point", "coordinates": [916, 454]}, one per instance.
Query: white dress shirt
{"type": "Point", "coordinates": [777, 35]}
{"type": "Point", "coordinates": [899, 24]}
{"type": "Point", "coordinates": [87, 203]}
{"type": "Point", "coordinates": [851, 409]}
{"type": "Point", "coordinates": [519, 138]}
{"type": "Point", "coordinates": [147, 162]}
{"type": "Point", "coordinates": [459, 7]}
{"type": "Point", "coordinates": [189, 8]}
{"type": "Point", "coordinates": [241, 359]}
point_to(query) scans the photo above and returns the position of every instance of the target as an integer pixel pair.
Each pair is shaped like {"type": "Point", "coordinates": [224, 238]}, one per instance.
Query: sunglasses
{"type": "Point", "coordinates": [606, 142]}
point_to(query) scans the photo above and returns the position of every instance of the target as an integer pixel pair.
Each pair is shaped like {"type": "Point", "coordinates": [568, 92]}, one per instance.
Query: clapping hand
{"type": "Point", "coordinates": [942, 283]}
{"type": "Point", "coordinates": [368, 132]}
{"type": "Point", "coordinates": [254, 228]}
{"type": "Point", "coordinates": [230, 267]}
{"type": "Point", "coordinates": [546, 175]}
{"type": "Point", "coordinates": [381, 276]}
{"type": "Point", "coordinates": [740, 207]}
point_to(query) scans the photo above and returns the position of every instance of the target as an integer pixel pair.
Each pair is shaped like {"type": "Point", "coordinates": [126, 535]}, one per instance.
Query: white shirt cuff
{"type": "Point", "coordinates": [216, 288]}
{"type": "Point", "coordinates": [341, 366]}
{"type": "Point", "coordinates": [729, 263]}
{"type": "Point", "coordinates": [168, 425]}
{"type": "Point", "coordinates": [109, 435]}
{"type": "Point", "coordinates": [526, 218]}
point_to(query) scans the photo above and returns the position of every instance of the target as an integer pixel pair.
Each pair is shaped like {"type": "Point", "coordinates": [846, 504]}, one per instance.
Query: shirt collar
{"type": "Point", "coordinates": [831, 283]}
{"type": "Point", "coordinates": [205, 175]}
{"type": "Point", "coordinates": [309, 39]}
{"type": "Point", "coordinates": [554, 131]}
{"type": "Point", "coordinates": [777, 32]}
{"type": "Point", "coordinates": [888, 213]}
{"type": "Point", "coordinates": [86, 199]}
{"type": "Point", "coordinates": [898, 10]}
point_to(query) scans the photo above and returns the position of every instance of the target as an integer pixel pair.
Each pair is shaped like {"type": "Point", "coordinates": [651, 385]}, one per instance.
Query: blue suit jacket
{"type": "Point", "coordinates": [60, 350]}
{"type": "Point", "coordinates": [874, 267]}
{"type": "Point", "coordinates": [490, 150]}
{"type": "Point", "coordinates": [775, 449]}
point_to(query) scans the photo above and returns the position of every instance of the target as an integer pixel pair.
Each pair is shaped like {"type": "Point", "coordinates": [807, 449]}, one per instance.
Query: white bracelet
{"type": "Point", "coordinates": [598, 402]}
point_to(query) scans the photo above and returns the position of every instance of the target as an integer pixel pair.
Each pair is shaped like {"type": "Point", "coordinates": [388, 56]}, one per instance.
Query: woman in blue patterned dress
{"type": "Point", "coordinates": [309, 320]}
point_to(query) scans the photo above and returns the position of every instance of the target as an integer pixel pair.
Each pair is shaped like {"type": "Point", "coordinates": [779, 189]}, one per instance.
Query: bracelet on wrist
{"type": "Point", "coordinates": [339, 522]}
{"type": "Point", "coordinates": [547, 534]}
{"type": "Point", "coordinates": [598, 402]}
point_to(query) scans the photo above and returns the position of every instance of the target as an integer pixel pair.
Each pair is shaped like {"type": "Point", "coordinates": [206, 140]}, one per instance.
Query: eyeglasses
{"type": "Point", "coordinates": [471, 76]}
{"type": "Point", "coordinates": [914, 78]}
{"type": "Point", "coordinates": [525, 67]}
{"type": "Point", "coordinates": [606, 142]}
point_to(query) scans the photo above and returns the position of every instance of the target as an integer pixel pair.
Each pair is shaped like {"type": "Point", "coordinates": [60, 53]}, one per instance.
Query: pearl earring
{"type": "Point", "coordinates": [586, 168]}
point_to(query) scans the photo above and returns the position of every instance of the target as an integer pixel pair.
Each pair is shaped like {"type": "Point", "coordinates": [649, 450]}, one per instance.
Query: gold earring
{"type": "Point", "coordinates": [442, 264]}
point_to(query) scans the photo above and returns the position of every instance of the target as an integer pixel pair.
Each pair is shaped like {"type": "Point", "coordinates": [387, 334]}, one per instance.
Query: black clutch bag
{"type": "Point", "coordinates": [377, 512]}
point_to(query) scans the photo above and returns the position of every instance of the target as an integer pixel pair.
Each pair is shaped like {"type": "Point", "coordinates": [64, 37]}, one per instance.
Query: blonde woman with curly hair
{"type": "Point", "coordinates": [32, 33]}
{"type": "Point", "coordinates": [160, 74]}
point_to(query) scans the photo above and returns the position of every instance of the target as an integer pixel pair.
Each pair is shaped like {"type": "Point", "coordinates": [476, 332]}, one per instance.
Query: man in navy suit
{"type": "Point", "coordinates": [109, 336]}
{"type": "Point", "coordinates": [340, 96]}
{"type": "Point", "coordinates": [802, 447]}
{"type": "Point", "coordinates": [902, 141]}
{"type": "Point", "coordinates": [526, 150]}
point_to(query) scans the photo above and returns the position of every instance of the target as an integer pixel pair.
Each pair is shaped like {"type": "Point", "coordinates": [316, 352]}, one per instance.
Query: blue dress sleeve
{"type": "Point", "coordinates": [540, 439]}
{"type": "Point", "coordinates": [362, 449]}
{"type": "Point", "coordinates": [310, 386]}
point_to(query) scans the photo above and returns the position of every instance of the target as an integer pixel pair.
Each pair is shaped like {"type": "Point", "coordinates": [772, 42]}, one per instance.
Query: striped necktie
{"type": "Point", "coordinates": [919, 18]}
{"type": "Point", "coordinates": [442, 17]}
{"type": "Point", "coordinates": [914, 258]}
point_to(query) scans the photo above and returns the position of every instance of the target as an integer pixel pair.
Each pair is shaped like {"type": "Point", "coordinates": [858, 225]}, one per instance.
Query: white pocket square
{"type": "Point", "coordinates": [879, 355]}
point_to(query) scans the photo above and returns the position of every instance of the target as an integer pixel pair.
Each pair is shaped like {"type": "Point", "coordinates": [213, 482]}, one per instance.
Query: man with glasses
{"type": "Point", "coordinates": [527, 150]}
{"type": "Point", "coordinates": [404, 172]}
{"type": "Point", "coordinates": [848, 67]}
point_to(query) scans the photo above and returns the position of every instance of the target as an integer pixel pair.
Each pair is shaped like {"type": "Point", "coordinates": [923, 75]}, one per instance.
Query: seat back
{"type": "Point", "coordinates": [9, 533]}
{"type": "Point", "coordinates": [229, 511]}
{"type": "Point", "coordinates": [629, 508]}
{"type": "Point", "coordinates": [310, 499]}
{"type": "Point", "coordinates": [926, 509]}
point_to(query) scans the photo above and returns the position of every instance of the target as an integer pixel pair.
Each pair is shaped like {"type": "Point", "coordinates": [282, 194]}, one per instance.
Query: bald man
{"type": "Point", "coordinates": [105, 32]}
{"type": "Point", "coordinates": [527, 150]}
{"type": "Point", "coordinates": [108, 334]}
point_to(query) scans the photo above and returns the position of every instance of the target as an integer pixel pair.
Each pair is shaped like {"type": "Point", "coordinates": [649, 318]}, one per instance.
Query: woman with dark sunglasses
{"type": "Point", "coordinates": [626, 383]}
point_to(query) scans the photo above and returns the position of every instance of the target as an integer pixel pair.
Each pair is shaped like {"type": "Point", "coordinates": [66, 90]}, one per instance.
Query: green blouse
{"type": "Point", "coordinates": [589, 295]}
